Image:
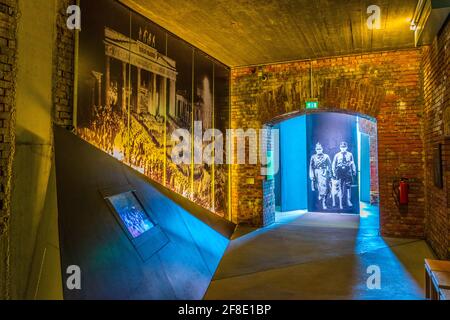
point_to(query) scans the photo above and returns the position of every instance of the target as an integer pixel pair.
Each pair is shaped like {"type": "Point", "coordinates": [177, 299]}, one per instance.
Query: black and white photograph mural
{"type": "Point", "coordinates": [332, 166]}
{"type": "Point", "coordinates": [320, 174]}
{"type": "Point", "coordinates": [221, 122]}
{"type": "Point", "coordinates": [203, 112]}
{"type": "Point", "coordinates": [137, 84]}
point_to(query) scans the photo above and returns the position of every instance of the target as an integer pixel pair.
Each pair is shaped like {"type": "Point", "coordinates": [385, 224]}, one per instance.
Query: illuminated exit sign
{"type": "Point", "coordinates": [312, 104]}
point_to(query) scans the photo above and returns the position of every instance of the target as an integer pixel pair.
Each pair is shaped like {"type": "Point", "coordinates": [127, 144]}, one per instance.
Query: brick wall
{"type": "Point", "coordinates": [8, 26]}
{"type": "Point", "coordinates": [268, 216]}
{"type": "Point", "coordinates": [385, 85]}
{"type": "Point", "coordinates": [64, 68]}
{"type": "Point", "coordinates": [436, 74]}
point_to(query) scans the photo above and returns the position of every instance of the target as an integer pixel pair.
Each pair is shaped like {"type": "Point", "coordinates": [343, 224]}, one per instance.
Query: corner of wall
{"type": "Point", "coordinates": [33, 250]}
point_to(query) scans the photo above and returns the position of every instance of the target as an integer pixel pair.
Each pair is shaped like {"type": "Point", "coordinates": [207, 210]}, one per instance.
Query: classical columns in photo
{"type": "Point", "coordinates": [162, 96]}
{"type": "Point", "coordinates": [124, 87]}
{"type": "Point", "coordinates": [138, 93]}
{"type": "Point", "coordinates": [154, 99]}
{"type": "Point", "coordinates": [107, 81]}
{"type": "Point", "coordinates": [152, 89]}
{"type": "Point", "coordinates": [172, 98]}
{"type": "Point", "coordinates": [97, 88]}
{"type": "Point", "coordinates": [161, 90]}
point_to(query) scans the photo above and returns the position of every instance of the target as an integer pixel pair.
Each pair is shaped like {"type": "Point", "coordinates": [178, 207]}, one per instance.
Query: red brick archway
{"type": "Point", "coordinates": [268, 186]}
{"type": "Point", "coordinates": [385, 86]}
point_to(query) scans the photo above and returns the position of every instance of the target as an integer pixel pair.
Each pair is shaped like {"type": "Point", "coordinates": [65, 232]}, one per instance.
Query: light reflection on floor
{"type": "Point", "coordinates": [319, 256]}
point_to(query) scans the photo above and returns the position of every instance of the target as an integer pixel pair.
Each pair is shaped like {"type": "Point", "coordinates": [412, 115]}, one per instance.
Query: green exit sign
{"type": "Point", "coordinates": [312, 104]}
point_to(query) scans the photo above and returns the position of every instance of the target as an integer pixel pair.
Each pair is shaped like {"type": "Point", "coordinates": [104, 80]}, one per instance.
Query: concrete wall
{"type": "Point", "coordinates": [34, 245]}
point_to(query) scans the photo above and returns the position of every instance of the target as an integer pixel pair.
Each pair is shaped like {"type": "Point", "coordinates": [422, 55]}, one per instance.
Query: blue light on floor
{"type": "Point", "coordinates": [320, 256]}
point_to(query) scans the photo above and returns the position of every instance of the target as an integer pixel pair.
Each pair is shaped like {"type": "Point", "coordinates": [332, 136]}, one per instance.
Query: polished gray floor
{"type": "Point", "coordinates": [319, 256]}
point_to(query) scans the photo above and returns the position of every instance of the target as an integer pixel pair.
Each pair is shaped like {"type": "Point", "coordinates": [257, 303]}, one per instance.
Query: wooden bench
{"type": "Point", "coordinates": [437, 279]}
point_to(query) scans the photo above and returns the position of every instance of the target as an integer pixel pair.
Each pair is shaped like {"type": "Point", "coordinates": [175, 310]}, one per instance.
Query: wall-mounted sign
{"type": "Point", "coordinates": [312, 104]}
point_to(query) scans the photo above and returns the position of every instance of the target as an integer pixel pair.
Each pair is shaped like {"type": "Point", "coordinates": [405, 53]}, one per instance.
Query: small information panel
{"type": "Point", "coordinates": [131, 213]}
{"type": "Point", "coordinates": [145, 235]}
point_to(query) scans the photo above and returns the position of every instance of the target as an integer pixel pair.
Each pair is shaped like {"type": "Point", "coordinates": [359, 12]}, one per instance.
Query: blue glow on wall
{"type": "Point", "coordinates": [293, 164]}
{"type": "Point", "coordinates": [365, 167]}
{"type": "Point", "coordinates": [131, 213]}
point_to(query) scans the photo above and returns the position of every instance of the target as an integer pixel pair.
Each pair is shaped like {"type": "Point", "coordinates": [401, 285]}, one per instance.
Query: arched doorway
{"type": "Point", "coordinates": [378, 93]}
{"type": "Point", "coordinates": [328, 165]}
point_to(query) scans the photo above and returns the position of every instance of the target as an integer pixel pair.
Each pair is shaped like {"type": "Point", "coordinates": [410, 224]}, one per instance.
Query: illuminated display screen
{"type": "Point", "coordinates": [312, 105]}
{"type": "Point", "coordinates": [131, 213]}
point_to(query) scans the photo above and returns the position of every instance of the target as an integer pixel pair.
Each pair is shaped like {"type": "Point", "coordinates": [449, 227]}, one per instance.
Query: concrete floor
{"type": "Point", "coordinates": [319, 256]}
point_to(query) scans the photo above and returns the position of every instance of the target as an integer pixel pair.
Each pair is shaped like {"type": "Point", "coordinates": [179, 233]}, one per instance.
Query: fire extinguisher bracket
{"type": "Point", "coordinates": [400, 192]}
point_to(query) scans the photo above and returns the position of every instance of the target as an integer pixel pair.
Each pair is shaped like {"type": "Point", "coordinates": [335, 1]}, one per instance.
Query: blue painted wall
{"type": "Point", "coordinates": [365, 167]}
{"type": "Point", "coordinates": [293, 171]}
{"type": "Point", "coordinates": [277, 178]}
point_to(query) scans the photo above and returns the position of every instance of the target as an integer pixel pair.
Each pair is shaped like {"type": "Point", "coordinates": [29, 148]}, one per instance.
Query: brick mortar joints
{"type": "Point", "coordinates": [6, 212]}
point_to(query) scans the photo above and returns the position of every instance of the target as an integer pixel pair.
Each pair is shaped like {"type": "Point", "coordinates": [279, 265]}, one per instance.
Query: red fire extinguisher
{"type": "Point", "coordinates": [403, 191]}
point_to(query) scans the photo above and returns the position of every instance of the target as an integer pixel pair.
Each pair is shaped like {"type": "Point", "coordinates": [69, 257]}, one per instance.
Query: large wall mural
{"type": "Point", "coordinates": [333, 163]}
{"type": "Point", "coordinates": [136, 85]}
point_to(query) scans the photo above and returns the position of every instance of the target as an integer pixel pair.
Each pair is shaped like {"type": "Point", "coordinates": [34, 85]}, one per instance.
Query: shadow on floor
{"type": "Point", "coordinates": [319, 256]}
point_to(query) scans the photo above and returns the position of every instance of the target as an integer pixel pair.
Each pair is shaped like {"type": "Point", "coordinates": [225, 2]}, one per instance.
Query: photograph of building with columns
{"type": "Point", "coordinates": [137, 84]}
{"type": "Point", "coordinates": [214, 152]}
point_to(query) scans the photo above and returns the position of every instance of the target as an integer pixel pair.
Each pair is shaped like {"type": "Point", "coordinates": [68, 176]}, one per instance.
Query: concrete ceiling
{"type": "Point", "coordinates": [248, 32]}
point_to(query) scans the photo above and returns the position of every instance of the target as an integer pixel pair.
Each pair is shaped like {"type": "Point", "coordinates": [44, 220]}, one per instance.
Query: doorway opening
{"type": "Point", "coordinates": [329, 167]}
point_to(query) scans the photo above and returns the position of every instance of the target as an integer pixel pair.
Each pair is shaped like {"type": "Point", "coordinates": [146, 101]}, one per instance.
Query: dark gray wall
{"type": "Point", "coordinates": [91, 238]}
